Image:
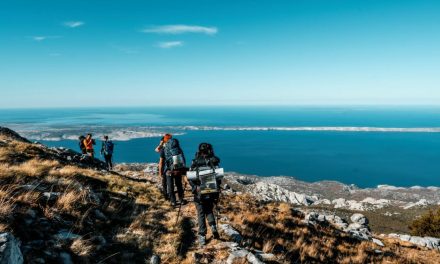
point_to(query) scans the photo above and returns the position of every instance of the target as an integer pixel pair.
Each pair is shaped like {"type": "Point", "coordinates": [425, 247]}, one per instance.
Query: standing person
{"type": "Point", "coordinates": [206, 190]}
{"type": "Point", "coordinates": [174, 167]}
{"type": "Point", "coordinates": [88, 143]}
{"type": "Point", "coordinates": [107, 150]}
{"type": "Point", "coordinates": [82, 147]}
{"type": "Point", "coordinates": [159, 149]}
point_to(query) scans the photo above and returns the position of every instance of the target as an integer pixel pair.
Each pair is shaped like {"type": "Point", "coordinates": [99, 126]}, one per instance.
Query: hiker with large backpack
{"type": "Point", "coordinates": [205, 180]}
{"type": "Point", "coordinates": [107, 150]}
{"type": "Point", "coordinates": [174, 169]}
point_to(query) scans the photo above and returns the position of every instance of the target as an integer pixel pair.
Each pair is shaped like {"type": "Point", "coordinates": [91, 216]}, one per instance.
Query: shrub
{"type": "Point", "coordinates": [427, 225]}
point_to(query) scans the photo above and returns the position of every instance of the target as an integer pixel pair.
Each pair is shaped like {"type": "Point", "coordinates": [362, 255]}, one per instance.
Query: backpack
{"type": "Point", "coordinates": [108, 147]}
{"type": "Point", "coordinates": [174, 154]}
{"type": "Point", "coordinates": [205, 172]}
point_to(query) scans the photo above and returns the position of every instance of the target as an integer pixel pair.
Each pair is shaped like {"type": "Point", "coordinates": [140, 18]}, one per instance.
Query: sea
{"type": "Point", "coordinates": [362, 145]}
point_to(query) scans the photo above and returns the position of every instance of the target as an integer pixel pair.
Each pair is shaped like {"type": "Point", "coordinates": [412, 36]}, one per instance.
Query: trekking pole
{"type": "Point", "coordinates": [178, 213]}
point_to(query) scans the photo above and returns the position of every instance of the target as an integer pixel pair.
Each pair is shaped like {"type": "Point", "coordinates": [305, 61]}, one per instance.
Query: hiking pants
{"type": "Point", "coordinates": [108, 161]}
{"type": "Point", "coordinates": [164, 185]}
{"type": "Point", "coordinates": [205, 211]}
{"type": "Point", "coordinates": [174, 179]}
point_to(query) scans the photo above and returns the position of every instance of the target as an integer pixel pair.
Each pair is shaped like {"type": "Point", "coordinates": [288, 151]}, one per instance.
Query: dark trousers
{"type": "Point", "coordinates": [174, 179]}
{"type": "Point", "coordinates": [205, 211]}
{"type": "Point", "coordinates": [164, 185]}
{"type": "Point", "coordinates": [108, 161]}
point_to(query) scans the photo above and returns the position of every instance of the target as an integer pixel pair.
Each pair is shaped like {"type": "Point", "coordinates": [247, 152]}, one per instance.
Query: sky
{"type": "Point", "coordinates": [83, 53]}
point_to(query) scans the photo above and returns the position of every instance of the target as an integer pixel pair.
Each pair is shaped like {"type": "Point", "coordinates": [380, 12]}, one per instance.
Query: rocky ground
{"type": "Point", "coordinates": [56, 207]}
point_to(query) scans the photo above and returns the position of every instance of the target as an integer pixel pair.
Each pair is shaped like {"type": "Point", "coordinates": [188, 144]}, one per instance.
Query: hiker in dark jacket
{"type": "Point", "coordinates": [107, 150]}
{"type": "Point", "coordinates": [206, 194]}
{"type": "Point", "coordinates": [174, 168]}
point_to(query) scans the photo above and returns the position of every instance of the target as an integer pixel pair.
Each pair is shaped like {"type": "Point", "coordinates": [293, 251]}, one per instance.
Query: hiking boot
{"type": "Point", "coordinates": [202, 240]}
{"type": "Point", "coordinates": [183, 201]}
{"type": "Point", "coordinates": [215, 232]}
{"type": "Point", "coordinates": [173, 203]}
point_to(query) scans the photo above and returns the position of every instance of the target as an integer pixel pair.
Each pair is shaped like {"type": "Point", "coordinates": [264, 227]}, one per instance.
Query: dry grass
{"type": "Point", "coordinates": [82, 247]}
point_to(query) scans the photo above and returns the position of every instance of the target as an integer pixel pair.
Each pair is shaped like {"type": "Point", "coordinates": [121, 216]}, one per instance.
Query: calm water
{"type": "Point", "coordinates": [266, 141]}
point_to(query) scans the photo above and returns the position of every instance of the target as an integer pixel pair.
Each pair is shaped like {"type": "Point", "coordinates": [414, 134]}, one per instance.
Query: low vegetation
{"type": "Point", "coordinates": [427, 225]}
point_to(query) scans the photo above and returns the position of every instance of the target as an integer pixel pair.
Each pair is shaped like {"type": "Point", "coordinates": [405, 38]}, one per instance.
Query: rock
{"type": "Point", "coordinates": [429, 242]}
{"type": "Point", "coordinates": [272, 192]}
{"type": "Point", "coordinates": [155, 259]}
{"type": "Point", "coordinates": [322, 201]}
{"type": "Point", "coordinates": [65, 258]}
{"type": "Point", "coordinates": [10, 252]}
{"type": "Point", "coordinates": [66, 235]}
{"type": "Point", "coordinates": [266, 257]}
{"type": "Point", "coordinates": [238, 254]}
{"type": "Point", "coordinates": [100, 215]}
{"type": "Point", "coordinates": [251, 258]}
{"type": "Point", "coordinates": [420, 203]}
{"type": "Point", "coordinates": [231, 233]}
{"type": "Point", "coordinates": [378, 242]}
{"type": "Point", "coordinates": [51, 196]}
{"type": "Point", "coordinates": [360, 219]}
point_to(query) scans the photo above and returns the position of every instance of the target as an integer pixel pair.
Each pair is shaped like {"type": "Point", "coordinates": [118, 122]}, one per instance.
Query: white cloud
{"type": "Point", "coordinates": [170, 44]}
{"type": "Point", "coordinates": [181, 29]}
{"type": "Point", "coordinates": [73, 24]}
{"type": "Point", "coordinates": [42, 38]}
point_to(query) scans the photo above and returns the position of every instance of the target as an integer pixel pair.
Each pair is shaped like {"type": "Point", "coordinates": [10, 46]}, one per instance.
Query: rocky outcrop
{"type": "Point", "coordinates": [10, 134]}
{"type": "Point", "coordinates": [10, 252]}
{"type": "Point", "coordinates": [429, 242]}
{"type": "Point", "coordinates": [273, 192]}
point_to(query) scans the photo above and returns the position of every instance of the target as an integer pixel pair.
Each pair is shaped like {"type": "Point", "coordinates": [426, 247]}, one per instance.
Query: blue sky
{"type": "Point", "coordinates": [140, 53]}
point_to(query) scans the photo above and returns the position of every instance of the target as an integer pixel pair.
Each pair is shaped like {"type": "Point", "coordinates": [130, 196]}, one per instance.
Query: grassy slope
{"type": "Point", "coordinates": [137, 222]}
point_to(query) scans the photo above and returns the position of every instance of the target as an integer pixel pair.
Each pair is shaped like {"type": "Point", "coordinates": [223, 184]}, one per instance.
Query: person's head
{"type": "Point", "coordinates": [167, 137]}
{"type": "Point", "coordinates": [81, 137]}
{"type": "Point", "coordinates": [105, 138]}
{"type": "Point", "coordinates": [89, 136]}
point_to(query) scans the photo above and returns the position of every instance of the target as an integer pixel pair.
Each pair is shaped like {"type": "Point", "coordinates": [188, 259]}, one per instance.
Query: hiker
{"type": "Point", "coordinates": [88, 143]}
{"type": "Point", "coordinates": [205, 185]}
{"type": "Point", "coordinates": [159, 149]}
{"type": "Point", "coordinates": [107, 150]}
{"type": "Point", "coordinates": [174, 168]}
{"type": "Point", "coordinates": [82, 147]}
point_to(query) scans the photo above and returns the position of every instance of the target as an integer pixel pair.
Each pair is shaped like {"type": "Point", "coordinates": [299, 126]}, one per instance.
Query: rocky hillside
{"type": "Point", "coordinates": [56, 207]}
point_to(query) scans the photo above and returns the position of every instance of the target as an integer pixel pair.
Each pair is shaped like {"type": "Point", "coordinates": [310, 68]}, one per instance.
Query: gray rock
{"type": "Point", "coordinates": [51, 196]}
{"type": "Point", "coordinates": [66, 235]}
{"type": "Point", "coordinates": [155, 259]}
{"type": "Point", "coordinates": [242, 253]}
{"type": "Point", "coordinates": [10, 252]}
{"type": "Point", "coordinates": [378, 242]}
{"type": "Point", "coordinates": [359, 219]}
{"type": "Point", "coordinates": [231, 233]}
{"type": "Point", "coordinates": [251, 258]}
{"type": "Point", "coordinates": [100, 215]}
{"type": "Point", "coordinates": [266, 257]}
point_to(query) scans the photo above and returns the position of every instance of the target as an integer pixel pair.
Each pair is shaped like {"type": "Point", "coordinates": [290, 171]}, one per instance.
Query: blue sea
{"type": "Point", "coordinates": [366, 146]}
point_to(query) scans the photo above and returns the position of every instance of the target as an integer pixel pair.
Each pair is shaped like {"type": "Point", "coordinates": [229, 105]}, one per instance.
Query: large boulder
{"type": "Point", "coordinates": [359, 219]}
{"type": "Point", "coordinates": [10, 252]}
